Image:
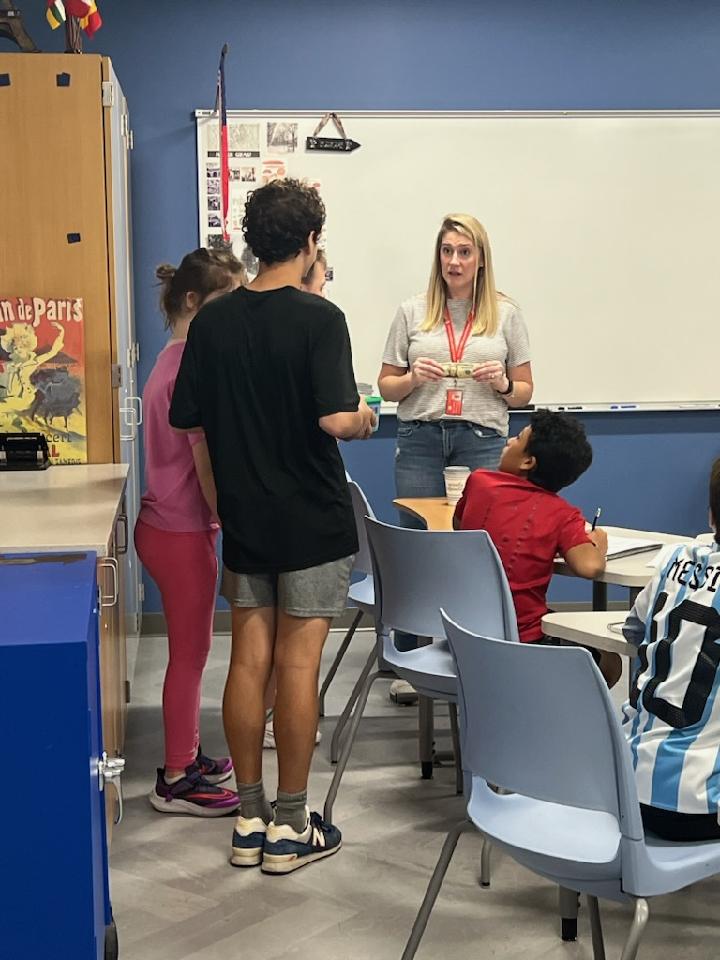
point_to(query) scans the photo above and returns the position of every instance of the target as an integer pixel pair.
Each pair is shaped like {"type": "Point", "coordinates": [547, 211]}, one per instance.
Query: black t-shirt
{"type": "Point", "coordinates": [258, 370]}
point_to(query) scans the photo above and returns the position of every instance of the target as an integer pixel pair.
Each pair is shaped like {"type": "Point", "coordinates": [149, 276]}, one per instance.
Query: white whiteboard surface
{"type": "Point", "coordinates": [604, 227]}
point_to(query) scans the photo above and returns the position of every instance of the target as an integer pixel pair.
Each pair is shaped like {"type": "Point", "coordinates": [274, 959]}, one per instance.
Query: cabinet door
{"type": "Point", "coordinates": [127, 403]}
{"type": "Point", "coordinates": [122, 544]}
{"type": "Point", "coordinates": [111, 694]}
{"type": "Point", "coordinates": [53, 221]}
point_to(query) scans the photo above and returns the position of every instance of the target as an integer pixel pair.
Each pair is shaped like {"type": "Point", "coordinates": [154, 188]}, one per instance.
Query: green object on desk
{"type": "Point", "coordinates": [374, 403]}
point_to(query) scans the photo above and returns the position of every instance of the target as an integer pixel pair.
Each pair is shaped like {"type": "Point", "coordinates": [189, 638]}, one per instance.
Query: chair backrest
{"type": "Point", "coordinates": [419, 571]}
{"type": "Point", "coordinates": [361, 509]}
{"type": "Point", "coordinates": [539, 721]}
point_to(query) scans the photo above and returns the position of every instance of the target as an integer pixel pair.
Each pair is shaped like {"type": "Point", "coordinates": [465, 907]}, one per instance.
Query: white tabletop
{"type": "Point", "coordinates": [629, 571]}
{"type": "Point", "coordinates": [62, 508]}
{"type": "Point", "coordinates": [589, 628]}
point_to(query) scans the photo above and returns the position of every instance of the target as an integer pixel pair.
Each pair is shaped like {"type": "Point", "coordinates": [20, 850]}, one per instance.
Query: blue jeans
{"type": "Point", "coordinates": [424, 449]}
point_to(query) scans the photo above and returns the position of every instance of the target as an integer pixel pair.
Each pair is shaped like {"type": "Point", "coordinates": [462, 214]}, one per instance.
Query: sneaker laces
{"type": "Point", "coordinates": [317, 821]}
{"type": "Point", "coordinates": [193, 780]}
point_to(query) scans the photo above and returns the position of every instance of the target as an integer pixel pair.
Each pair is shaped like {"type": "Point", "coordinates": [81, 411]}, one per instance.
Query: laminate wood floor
{"type": "Point", "coordinates": [175, 897]}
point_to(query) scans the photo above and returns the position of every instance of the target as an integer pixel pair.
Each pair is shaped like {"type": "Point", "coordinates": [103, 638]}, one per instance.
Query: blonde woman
{"type": "Point", "coordinates": [455, 360]}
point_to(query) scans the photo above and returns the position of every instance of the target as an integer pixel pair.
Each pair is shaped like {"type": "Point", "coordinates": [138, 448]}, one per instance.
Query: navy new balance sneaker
{"type": "Point", "coordinates": [285, 850]}
{"type": "Point", "coordinates": [248, 841]}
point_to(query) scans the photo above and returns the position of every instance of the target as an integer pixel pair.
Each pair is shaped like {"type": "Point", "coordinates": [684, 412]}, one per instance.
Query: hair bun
{"type": "Point", "coordinates": [165, 272]}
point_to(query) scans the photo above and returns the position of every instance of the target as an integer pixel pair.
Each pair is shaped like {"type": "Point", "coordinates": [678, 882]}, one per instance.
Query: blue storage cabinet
{"type": "Point", "coordinates": [54, 896]}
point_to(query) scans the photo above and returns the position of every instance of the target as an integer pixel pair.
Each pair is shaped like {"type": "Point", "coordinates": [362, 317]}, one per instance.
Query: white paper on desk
{"type": "Point", "coordinates": [629, 545]}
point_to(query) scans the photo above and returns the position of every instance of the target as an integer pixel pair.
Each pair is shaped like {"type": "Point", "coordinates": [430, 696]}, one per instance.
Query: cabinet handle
{"type": "Point", "coordinates": [122, 523]}
{"type": "Point", "coordinates": [110, 563]}
{"type": "Point", "coordinates": [138, 411]}
{"type": "Point", "coordinates": [110, 770]}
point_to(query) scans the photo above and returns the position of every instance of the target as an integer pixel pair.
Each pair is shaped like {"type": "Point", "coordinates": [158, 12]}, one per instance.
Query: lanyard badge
{"type": "Point", "coordinates": [454, 396]}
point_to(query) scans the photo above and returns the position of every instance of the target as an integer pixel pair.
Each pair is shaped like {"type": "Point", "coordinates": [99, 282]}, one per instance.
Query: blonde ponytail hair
{"type": "Point", "coordinates": [484, 297]}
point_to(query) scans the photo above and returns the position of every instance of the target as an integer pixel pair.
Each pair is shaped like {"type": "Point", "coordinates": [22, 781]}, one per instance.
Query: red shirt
{"type": "Point", "coordinates": [529, 527]}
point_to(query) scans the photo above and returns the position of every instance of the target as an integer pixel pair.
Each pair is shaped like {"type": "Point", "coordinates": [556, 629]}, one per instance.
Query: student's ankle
{"type": "Point", "coordinates": [291, 809]}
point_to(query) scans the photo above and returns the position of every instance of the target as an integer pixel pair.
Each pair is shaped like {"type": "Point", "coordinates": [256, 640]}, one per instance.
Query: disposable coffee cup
{"type": "Point", "coordinates": [374, 403]}
{"type": "Point", "coordinates": [455, 480]}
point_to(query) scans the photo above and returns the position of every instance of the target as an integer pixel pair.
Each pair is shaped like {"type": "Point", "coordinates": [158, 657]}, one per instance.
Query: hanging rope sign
{"type": "Point", "coordinates": [341, 144]}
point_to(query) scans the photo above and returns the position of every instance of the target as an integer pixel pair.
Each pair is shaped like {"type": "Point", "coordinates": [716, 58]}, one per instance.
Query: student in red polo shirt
{"type": "Point", "coordinates": [530, 524]}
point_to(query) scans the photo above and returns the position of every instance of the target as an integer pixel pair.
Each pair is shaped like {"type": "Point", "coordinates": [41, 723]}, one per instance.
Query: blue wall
{"type": "Point", "coordinates": [414, 54]}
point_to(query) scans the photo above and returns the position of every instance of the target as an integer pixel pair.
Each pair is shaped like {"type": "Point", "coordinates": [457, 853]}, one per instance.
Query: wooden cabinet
{"type": "Point", "coordinates": [53, 208]}
{"type": "Point", "coordinates": [65, 231]}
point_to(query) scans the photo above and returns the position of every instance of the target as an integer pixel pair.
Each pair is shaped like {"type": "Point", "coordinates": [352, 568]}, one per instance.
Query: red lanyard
{"type": "Point", "coordinates": [457, 349]}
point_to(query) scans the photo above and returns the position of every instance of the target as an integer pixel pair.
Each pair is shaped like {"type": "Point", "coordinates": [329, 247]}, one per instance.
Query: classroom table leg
{"type": "Point", "coordinates": [599, 595]}
{"type": "Point", "coordinates": [569, 902]}
{"type": "Point", "coordinates": [426, 728]}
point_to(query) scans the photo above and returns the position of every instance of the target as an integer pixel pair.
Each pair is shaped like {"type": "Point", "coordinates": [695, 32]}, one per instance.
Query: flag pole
{"type": "Point", "coordinates": [221, 109]}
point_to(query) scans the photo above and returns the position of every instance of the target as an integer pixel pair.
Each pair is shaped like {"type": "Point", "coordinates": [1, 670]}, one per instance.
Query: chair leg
{"type": "Point", "coordinates": [568, 913]}
{"type": "Point", "coordinates": [485, 863]}
{"type": "Point", "coordinates": [455, 733]}
{"type": "Point", "coordinates": [338, 660]}
{"type": "Point", "coordinates": [348, 744]}
{"type": "Point", "coordinates": [434, 889]}
{"type": "Point", "coordinates": [426, 721]}
{"type": "Point", "coordinates": [345, 715]}
{"type": "Point", "coordinates": [598, 943]}
{"type": "Point", "coordinates": [640, 919]}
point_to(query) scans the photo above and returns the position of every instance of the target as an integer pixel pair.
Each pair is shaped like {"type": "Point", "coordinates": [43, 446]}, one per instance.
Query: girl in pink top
{"type": "Point", "coordinates": [175, 539]}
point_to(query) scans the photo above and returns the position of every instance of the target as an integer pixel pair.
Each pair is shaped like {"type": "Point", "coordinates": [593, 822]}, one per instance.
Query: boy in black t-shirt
{"type": "Point", "coordinates": [267, 375]}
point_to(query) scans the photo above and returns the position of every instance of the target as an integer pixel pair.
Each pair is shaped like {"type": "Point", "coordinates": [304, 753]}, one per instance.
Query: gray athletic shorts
{"type": "Point", "coordinates": [315, 592]}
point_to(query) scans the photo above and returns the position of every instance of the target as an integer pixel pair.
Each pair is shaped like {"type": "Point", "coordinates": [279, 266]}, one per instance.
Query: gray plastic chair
{"type": "Point", "coordinates": [539, 721]}
{"type": "Point", "coordinates": [361, 594]}
{"type": "Point", "coordinates": [416, 572]}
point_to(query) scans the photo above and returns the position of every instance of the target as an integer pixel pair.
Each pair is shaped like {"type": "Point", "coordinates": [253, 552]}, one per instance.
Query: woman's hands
{"type": "Point", "coordinates": [492, 372]}
{"type": "Point", "coordinates": [425, 370]}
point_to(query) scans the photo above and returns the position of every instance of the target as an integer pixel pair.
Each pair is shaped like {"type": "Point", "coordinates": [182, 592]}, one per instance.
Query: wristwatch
{"type": "Point", "coordinates": [506, 393]}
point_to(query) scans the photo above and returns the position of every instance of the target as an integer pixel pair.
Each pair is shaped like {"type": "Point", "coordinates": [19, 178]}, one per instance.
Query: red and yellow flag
{"type": "Point", "coordinates": [92, 21]}
{"type": "Point", "coordinates": [85, 10]}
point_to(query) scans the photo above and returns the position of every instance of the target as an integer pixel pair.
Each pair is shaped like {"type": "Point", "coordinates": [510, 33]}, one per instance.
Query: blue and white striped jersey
{"type": "Point", "coordinates": [673, 715]}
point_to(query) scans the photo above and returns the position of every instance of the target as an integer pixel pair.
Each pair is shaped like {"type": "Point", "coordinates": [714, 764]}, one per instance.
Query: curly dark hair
{"type": "Point", "coordinates": [279, 217]}
{"type": "Point", "coordinates": [561, 450]}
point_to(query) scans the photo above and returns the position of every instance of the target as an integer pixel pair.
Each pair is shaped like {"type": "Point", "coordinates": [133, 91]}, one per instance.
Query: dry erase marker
{"type": "Point", "coordinates": [596, 518]}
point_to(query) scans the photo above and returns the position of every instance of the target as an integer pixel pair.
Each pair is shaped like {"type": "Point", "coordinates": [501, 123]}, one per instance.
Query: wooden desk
{"type": "Point", "coordinates": [631, 572]}
{"type": "Point", "coordinates": [590, 628]}
{"type": "Point", "coordinates": [435, 512]}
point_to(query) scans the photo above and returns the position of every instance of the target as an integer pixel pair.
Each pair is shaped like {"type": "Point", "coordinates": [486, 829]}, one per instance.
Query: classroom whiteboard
{"type": "Point", "coordinates": [604, 227]}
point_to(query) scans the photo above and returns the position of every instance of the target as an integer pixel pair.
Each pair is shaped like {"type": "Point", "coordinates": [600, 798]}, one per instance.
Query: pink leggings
{"type": "Point", "coordinates": [184, 566]}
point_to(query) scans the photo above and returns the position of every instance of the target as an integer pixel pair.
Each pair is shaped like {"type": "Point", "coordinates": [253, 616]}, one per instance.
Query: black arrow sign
{"type": "Point", "coordinates": [331, 144]}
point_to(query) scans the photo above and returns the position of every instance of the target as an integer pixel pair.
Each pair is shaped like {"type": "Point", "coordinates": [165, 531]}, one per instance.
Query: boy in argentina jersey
{"type": "Point", "coordinates": [672, 720]}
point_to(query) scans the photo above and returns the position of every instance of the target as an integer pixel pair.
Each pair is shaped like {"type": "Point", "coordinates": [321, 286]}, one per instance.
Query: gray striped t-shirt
{"type": "Point", "coordinates": [481, 403]}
